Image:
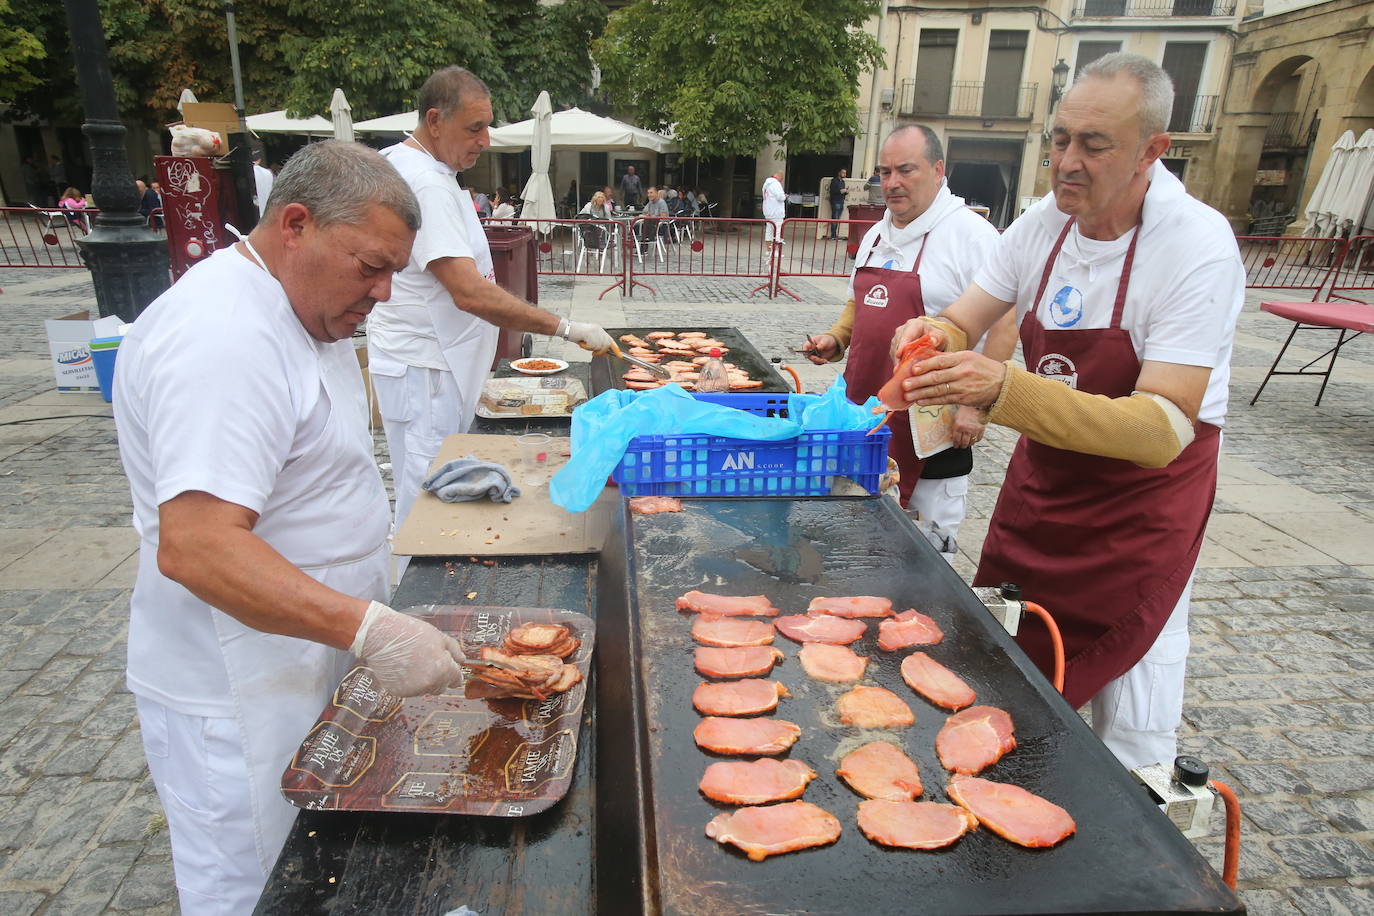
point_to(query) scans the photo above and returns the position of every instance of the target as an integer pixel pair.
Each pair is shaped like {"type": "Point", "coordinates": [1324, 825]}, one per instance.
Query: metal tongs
{"type": "Point", "coordinates": [656, 371]}
{"type": "Point", "coordinates": [468, 662]}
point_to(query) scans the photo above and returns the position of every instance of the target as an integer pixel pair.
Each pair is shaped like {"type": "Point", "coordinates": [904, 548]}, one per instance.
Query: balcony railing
{"type": "Point", "coordinates": [966, 99]}
{"type": "Point", "coordinates": [1194, 116]}
{"type": "Point", "coordinates": [1152, 9]}
{"type": "Point", "coordinates": [1288, 129]}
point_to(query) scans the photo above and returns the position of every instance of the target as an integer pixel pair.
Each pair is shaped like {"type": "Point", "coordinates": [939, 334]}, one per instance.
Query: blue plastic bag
{"type": "Point", "coordinates": [832, 410]}
{"type": "Point", "coordinates": [603, 427]}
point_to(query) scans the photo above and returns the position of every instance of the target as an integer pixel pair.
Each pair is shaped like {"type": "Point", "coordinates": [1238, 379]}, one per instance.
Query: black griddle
{"type": "Point", "coordinates": [606, 371]}
{"type": "Point", "coordinates": [652, 852]}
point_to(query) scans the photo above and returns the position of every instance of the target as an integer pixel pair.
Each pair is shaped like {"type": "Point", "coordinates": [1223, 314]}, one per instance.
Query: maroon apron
{"type": "Point", "coordinates": [1105, 546]}
{"type": "Point", "coordinates": [884, 300]}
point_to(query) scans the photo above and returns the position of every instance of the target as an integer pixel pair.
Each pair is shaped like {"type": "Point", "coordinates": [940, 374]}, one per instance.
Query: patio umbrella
{"type": "Point", "coordinates": [276, 122]}
{"type": "Point", "coordinates": [1321, 217]}
{"type": "Point", "coordinates": [574, 128]}
{"type": "Point", "coordinates": [186, 96]}
{"type": "Point", "coordinates": [403, 123]}
{"type": "Point", "coordinates": [341, 113]}
{"type": "Point", "coordinates": [1357, 180]}
{"type": "Point", "coordinates": [538, 193]}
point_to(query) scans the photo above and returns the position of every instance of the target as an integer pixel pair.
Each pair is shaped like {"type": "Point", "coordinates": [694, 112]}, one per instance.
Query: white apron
{"type": "Point", "coordinates": [468, 342]}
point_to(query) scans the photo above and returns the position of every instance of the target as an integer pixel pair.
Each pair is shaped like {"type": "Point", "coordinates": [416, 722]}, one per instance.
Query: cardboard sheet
{"type": "Point", "coordinates": [529, 525]}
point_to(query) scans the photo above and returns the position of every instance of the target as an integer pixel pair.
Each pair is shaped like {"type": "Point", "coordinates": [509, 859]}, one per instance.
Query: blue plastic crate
{"type": "Point", "coordinates": [700, 464]}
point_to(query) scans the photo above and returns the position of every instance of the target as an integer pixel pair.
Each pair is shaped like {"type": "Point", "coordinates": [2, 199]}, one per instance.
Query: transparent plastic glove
{"type": "Point", "coordinates": [588, 336]}
{"type": "Point", "coordinates": [409, 656]}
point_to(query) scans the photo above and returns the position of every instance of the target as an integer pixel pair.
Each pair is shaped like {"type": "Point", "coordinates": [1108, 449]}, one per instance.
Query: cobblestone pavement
{"type": "Point", "coordinates": [1281, 678]}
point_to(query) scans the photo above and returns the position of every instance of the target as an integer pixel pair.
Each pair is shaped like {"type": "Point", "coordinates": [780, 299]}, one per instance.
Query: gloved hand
{"type": "Point", "coordinates": [467, 478]}
{"type": "Point", "coordinates": [586, 335]}
{"type": "Point", "coordinates": [409, 656]}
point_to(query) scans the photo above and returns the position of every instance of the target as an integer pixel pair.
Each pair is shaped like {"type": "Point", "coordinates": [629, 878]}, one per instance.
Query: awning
{"type": "Point", "coordinates": [276, 122]}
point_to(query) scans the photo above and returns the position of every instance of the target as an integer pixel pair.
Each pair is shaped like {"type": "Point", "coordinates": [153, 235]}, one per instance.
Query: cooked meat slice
{"type": "Point", "coordinates": [826, 662]}
{"type": "Point", "coordinates": [638, 375]}
{"type": "Point", "coordinates": [755, 782]}
{"type": "Point", "coordinates": [729, 632]}
{"type": "Point", "coordinates": [974, 739]}
{"type": "Point", "coordinates": [535, 638]}
{"type": "Point", "coordinates": [566, 647]}
{"type": "Point", "coordinates": [660, 335]}
{"type": "Point", "coordinates": [935, 682]}
{"type": "Point", "coordinates": [745, 661]}
{"type": "Point", "coordinates": [642, 386]}
{"type": "Point", "coordinates": [726, 605]}
{"type": "Point", "coordinates": [688, 335]}
{"type": "Point", "coordinates": [746, 737]}
{"type": "Point", "coordinates": [913, 824]}
{"type": "Point", "coordinates": [651, 505]}
{"type": "Point", "coordinates": [632, 340]}
{"type": "Point", "coordinates": [856, 606]}
{"type": "Point", "coordinates": [874, 707]}
{"type": "Point", "coordinates": [752, 383]}
{"type": "Point", "coordinates": [881, 770]}
{"type": "Point", "coordinates": [749, 697]}
{"type": "Point", "coordinates": [774, 829]}
{"type": "Point", "coordinates": [820, 628]}
{"type": "Point", "coordinates": [1011, 812]}
{"type": "Point", "coordinates": [909, 628]}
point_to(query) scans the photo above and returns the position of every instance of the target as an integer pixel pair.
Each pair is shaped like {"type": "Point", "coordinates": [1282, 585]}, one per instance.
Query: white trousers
{"type": "Point", "coordinates": [1137, 715]}
{"type": "Point", "coordinates": [198, 767]}
{"type": "Point", "coordinates": [772, 231]}
{"type": "Point", "coordinates": [944, 502]}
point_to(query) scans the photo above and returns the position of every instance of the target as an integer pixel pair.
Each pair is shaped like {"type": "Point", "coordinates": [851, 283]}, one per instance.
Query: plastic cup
{"type": "Point", "coordinates": [534, 458]}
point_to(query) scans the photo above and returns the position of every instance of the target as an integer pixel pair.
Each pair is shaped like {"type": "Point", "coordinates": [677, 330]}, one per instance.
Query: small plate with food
{"type": "Point", "coordinates": [538, 365]}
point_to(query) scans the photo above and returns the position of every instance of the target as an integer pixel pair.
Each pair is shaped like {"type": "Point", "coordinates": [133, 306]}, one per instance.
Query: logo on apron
{"type": "Point", "coordinates": [1066, 308]}
{"type": "Point", "coordinates": [1059, 367]}
{"type": "Point", "coordinates": [877, 296]}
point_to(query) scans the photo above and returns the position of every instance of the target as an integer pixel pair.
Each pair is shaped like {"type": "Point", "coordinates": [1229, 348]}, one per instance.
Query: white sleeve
{"type": "Point", "coordinates": [1192, 322]}
{"type": "Point", "coordinates": [1000, 276]}
{"type": "Point", "coordinates": [443, 234]}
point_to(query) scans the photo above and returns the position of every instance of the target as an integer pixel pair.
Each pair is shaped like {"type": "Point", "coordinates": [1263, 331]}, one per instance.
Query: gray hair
{"type": "Point", "coordinates": [339, 181]}
{"type": "Point", "coordinates": [446, 90]}
{"type": "Point", "coordinates": [935, 151]}
{"type": "Point", "coordinates": [1156, 88]}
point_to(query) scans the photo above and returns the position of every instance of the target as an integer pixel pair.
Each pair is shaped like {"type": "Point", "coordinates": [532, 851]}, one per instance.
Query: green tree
{"type": "Point", "coordinates": [728, 75]}
{"type": "Point", "coordinates": [543, 46]}
{"type": "Point", "coordinates": [20, 51]}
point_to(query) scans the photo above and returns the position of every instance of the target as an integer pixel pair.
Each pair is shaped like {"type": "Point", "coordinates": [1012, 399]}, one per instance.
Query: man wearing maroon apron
{"type": "Point", "coordinates": [915, 261]}
{"type": "Point", "coordinates": [1128, 292]}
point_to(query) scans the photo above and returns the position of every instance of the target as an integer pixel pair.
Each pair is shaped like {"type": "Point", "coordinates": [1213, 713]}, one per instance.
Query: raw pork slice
{"type": "Point", "coordinates": [731, 632]}
{"type": "Point", "coordinates": [881, 770]}
{"type": "Point", "coordinates": [874, 707]}
{"type": "Point", "coordinates": [909, 628]}
{"type": "Point", "coordinates": [725, 606]}
{"type": "Point", "coordinates": [768, 831]}
{"type": "Point", "coordinates": [746, 736]}
{"type": "Point", "coordinates": [651, 505]}
{"type": "Point", "coordinates": [1011, 812]}
{"type": "Point", "coordinates": [756, 782]}
{"type": "Point", "coordinates": [974, 739]}
{"type": "Point", "coordinates": [825, 662]}
{"type": "Point", "coordinates": [820, 628]}
{"type": "Point", "coordinates": [749, 697]}
{"type": "Point", "coordinates": [856, 606]}
{"type": "Point", "coordinates": [746, 661]}
{"type": "Point", "coordinates": [935, 682]}
{"type": "Point", "coordinates": [912, 824]}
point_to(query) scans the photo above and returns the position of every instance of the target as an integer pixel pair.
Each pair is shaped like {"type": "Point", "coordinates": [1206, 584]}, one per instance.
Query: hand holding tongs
{"type": "Point", "coordinates": [656, 371]}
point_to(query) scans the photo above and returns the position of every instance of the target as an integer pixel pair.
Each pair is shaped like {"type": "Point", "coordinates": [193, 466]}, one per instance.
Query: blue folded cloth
{"type": "Point", "coordinates": [465, 479]}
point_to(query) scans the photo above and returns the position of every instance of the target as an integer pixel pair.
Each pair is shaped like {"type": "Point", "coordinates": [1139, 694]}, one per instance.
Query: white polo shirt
{"type": "Point", "coordinates": [1186, 290]}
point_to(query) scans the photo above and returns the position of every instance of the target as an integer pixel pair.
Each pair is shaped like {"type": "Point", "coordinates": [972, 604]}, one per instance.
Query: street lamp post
{"type": "Point", "coordinates": [1060, 78]}
{"type": "Point", "coordinates": [128, 261]}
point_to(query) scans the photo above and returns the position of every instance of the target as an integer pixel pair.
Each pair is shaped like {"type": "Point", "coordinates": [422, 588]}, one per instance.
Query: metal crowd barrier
{"type": "Point", "coordinates": [576, 247]}
{"type": "Point", "coordinates": [1290, 263]}
{"type": "Point", "coordinates": [1353, 276]}
{"type": "Point", "coordinates": [697, 247]}
{"type": "Point", "coordinates": [46, 236]}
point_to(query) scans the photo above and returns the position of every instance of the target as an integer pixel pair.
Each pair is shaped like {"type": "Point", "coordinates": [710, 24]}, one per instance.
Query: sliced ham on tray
{"type": "Point", "coordinates": [854, 606]}
{"type": "Point", "coordinates": [745, 661]}
{"type": "Point", "coordinates": [768, 831]}
{"type": "Point", "coordinates": [755, 782]}
{"type": "Point", "coordinates": [652, 505]}
{"type": "Point", "coordinates": [874, 707]}
{"type": "Point", "coordinates": [731, 632]}
{"type": "Point", "coordinates": [935, 682]}
{"type": "Point", "coordinates": [820, 628]}
{"type": "Point", "coordinates": [825, 662]}
{"type": "Point", "coordinates": [974, 739]}
{"type": "Point", "coordinates": [1011, 812]}
{"type": "Point", "coordinates": [746, 736]}
{"type": "Point", "coordinates": [725, 605]}
{"type": "Point", "coordinates": [913, 824]}
{"type": "Point", "coordinates": [881, 770]}
{"type": "Point", "coordinates": [909, 628]}
{"type": "Point", "coordinates": [749, 697]}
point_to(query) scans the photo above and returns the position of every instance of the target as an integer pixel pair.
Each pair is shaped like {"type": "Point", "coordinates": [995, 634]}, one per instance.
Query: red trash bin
{"type": "Point", "coordinates": [866, 215]}
{"type": "Point", "coordinates": [513, 254]}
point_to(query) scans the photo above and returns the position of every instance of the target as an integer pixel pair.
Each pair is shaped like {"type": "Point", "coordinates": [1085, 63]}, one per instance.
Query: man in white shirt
{"type": "Point", "coordinates": [262, 519]}
{"type": "Point", "coordinates": [774, 207]}
{"type": "Point", "coordinates": [431, 345]}
{"type": "Point", "coordinates": [915, 261]}
{"type": "Point", "coordinates": [1127, 291]}
{"type": "Point", "coordinates": [262, 182]}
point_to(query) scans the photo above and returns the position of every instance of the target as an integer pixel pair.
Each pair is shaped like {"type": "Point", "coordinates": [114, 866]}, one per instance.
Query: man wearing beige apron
{"type": "Point", "coordinates": [262, 518]}
{"type": "Point", "coordinates": [1127, 292]}
{"type": "Point", "coordinates": [431, 345]}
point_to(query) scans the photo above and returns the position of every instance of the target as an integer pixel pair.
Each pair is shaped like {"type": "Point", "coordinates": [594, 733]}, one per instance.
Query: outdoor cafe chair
{"type": "Point", "coordinates": [593, 240]}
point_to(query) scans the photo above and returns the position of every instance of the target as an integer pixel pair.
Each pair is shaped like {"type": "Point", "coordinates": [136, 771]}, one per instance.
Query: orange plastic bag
{"type": "Point", "coordinates": [891, 394]}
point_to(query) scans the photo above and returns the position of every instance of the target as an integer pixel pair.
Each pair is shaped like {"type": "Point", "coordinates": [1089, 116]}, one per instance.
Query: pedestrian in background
{"type": "Point", "coordinates": [630, 187]}
{"type": "Point", "coordinates": [837, 195]}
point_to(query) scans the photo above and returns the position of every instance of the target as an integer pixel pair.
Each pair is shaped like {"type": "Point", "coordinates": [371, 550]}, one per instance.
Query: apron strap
{"type": "Point", "coordinates": [1125, 281]}
{"type": "Point", "coordinates": [916, 268]}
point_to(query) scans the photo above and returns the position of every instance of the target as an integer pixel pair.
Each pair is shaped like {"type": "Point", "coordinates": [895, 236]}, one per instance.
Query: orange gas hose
{"type": "Point", "coordinates": [1231, 861]}
{"type": "Point", "coordinates": [795, 378]}
{"type": "Point", "coordinates": [1055, 640]}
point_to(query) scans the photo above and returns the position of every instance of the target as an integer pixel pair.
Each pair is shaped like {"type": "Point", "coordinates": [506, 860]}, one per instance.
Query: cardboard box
{"type": "Point", "coordinates": [69, 343]}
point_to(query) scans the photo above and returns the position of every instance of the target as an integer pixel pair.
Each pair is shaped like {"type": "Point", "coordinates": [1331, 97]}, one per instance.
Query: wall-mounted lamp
{"type": "Point", "coordinates": [1057, 84]}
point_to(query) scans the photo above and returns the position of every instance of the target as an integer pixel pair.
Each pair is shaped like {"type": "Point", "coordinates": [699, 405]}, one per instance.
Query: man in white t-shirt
{"type": "Point", "coordinates": [915, 261]}
{"type": "Point", "coordinates": [774, 207]}
{"type": "Point", "coordinates": [262, 182]}
{"type": "Point", "coordinates": [430, 346]}
{"type": "Point", "coordinates": [262, 520]}
{"type": "Point", "coordinates": [1127, 291]}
